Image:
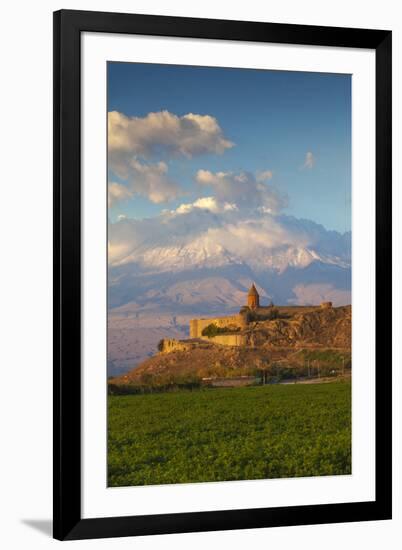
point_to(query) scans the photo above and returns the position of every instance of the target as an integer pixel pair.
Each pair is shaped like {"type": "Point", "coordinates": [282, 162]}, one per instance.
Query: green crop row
{"type": "Point", "coordinates": [230, 434]}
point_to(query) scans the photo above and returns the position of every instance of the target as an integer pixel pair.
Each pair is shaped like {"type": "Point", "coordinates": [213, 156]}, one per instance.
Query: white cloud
{"type": "Point", "coordinates": [309, 160]}
{"type": "Point", "coordinates": [133, 139]}
{"type": "Point", "coordinates": [117, 192]}
{"type": "Point", "coordinates": [117, 251]}
{"type": "Point", "coordinates": [152, 181]}
{"type": "Point", "coordinates": [251, 237]}
{"type": "Point", "coordinates": [265, 175]}
{"type": "Point", "coordinates": [205, 203]}
{"type": "Point", "coordinates": [244, 189]}
{"type": "Point", "coordinates": [147, 180]}
{"type": "Point", "coordinates": [188, 135]}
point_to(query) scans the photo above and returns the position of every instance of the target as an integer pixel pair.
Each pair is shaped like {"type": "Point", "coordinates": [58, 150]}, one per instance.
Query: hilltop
{"type": "Point", "coordinates": [297, 336]}
{"type": "Point", "coordinates": [199, 263]}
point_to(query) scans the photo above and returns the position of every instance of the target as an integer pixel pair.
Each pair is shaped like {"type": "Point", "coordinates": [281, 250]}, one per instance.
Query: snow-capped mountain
{"type": "Point", "coordinates": [167, 270]}
{"type": "Point", "coordinates": [205, 251]}
{"type": "Point", "coordinates": [201, 253]}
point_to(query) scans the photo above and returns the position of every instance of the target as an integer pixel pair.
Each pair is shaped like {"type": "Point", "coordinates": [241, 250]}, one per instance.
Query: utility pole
{"type": "Point", "coordinates": [343, 366]}
{"type": "Point", "coordinates": [318, 363]}
{"type": "Point", "coordinates": [308, 367]}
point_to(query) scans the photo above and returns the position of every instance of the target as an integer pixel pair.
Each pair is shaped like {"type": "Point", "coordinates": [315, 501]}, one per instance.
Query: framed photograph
{"type": "Point", "coordinates": [222, 275]}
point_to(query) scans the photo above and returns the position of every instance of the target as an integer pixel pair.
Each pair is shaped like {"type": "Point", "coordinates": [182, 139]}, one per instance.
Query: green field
{"type": "Point", "coordinates": [230, 434]}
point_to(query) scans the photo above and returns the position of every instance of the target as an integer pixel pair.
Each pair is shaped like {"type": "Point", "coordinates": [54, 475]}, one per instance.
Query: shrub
{"type": "Point", "coordinates": [210, 330]}
{"type": "Point", "coordinates": [213, 330]}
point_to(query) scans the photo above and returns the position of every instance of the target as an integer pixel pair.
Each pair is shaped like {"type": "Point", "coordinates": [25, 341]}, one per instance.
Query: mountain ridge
{"type": "Point", "coordinates": [188, 265]}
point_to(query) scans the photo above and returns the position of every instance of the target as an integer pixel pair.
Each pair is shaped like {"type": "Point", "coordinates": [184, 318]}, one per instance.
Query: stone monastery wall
{"type": "Point", "coordinates": [170, 344]}
{"type": "Point", "coordinates": [227, 339]}
{"type": "Point", "coordinates": [198, 325]}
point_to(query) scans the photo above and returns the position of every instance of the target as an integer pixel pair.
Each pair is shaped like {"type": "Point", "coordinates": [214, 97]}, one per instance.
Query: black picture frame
{"type": "Point", "coordinates": [68, 522]}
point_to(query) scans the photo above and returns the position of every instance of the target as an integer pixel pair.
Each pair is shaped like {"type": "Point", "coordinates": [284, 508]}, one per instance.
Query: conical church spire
{"type": "Point", "coordinates": [253, 298]}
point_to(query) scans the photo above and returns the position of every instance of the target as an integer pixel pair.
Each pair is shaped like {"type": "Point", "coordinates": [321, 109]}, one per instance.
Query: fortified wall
{"type": "Point", "coordinates": [170, 344]}
{"type": "Point", "coordinates": [198, 325]}
{"type": "Point", "coordinates": [227, 339]}
{"type": "Point", "coordinates": [236, 325]}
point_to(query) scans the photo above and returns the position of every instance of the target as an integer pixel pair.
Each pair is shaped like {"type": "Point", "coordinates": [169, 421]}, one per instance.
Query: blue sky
{"type": "Point", "coordinates": [295, 127]}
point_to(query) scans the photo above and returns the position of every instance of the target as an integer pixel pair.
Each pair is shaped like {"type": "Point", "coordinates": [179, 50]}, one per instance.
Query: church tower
{"type": "Point", "coordinates": [253, 298]}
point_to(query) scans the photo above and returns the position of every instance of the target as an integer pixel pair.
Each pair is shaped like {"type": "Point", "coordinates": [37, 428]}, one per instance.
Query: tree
{"type": "Point", "coordinates": [210, 330]}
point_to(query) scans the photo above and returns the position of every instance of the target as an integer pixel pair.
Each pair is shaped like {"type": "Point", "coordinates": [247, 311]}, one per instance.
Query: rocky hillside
{"type": "Point", "coordinates": [195, 262]}
{"type": "Point", "coordinates": [304, 327]}
{"type": "Point", "coordinates": [298, 334]}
